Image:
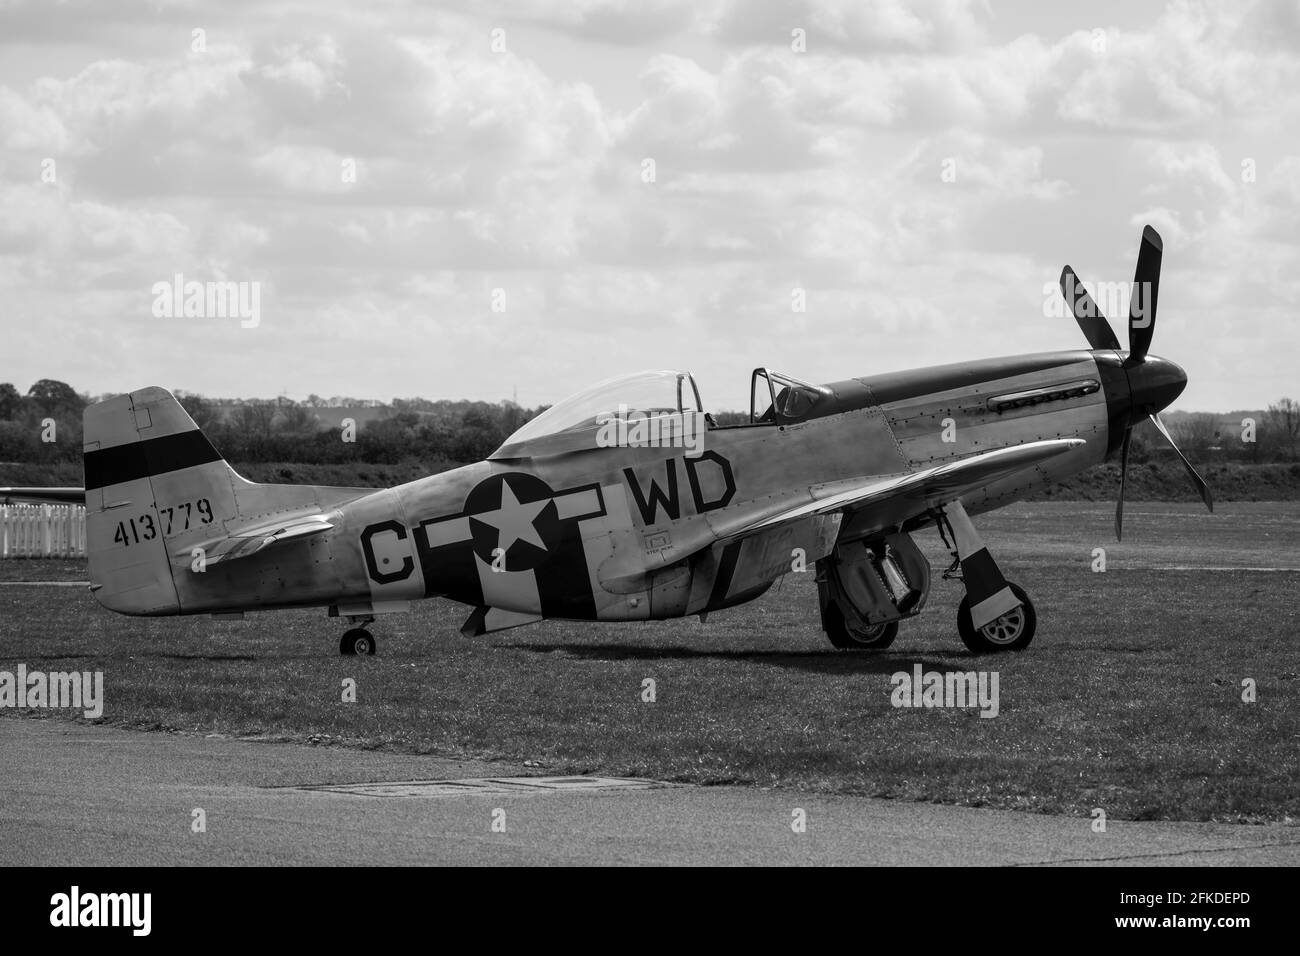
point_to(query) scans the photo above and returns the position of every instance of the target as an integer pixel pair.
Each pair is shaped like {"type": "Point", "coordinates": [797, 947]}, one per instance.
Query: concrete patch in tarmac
{"type": "Point", "coordinates": [481, 785]}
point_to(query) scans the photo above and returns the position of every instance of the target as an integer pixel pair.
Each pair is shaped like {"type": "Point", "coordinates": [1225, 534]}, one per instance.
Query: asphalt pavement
{"type": "Point", "coordinates": [84, 794]}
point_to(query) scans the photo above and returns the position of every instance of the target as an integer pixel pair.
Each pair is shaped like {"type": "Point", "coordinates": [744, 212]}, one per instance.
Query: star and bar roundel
{"type": "Point", "coordinates": [513, 522]}
{"type": "Point", "coordinates": [515, 519]}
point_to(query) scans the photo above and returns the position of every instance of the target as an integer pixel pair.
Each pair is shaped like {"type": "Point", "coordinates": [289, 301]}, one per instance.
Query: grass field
{"type": "Point", "coordinates": [1130, 698]}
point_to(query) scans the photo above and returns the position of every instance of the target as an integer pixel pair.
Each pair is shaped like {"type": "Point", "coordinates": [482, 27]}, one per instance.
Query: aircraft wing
{"type": "Point", "coordinates": [917, 491]}
{"type": "Point", "coordinates": [883, 500]}
{"type": "Point", "coordinates": [244, 542]}
{"type": "Point", "coordinates": [43, 496]}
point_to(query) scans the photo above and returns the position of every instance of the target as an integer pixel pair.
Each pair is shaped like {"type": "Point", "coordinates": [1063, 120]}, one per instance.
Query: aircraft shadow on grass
{"type": "Point", "coordinates": [815, 661]}
{"type": "Point", "coordinates": [243, 658]}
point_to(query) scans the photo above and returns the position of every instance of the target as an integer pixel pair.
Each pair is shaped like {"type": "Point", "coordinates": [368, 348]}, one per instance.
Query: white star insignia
{"type": "Point", "coordinates": [514, 520]}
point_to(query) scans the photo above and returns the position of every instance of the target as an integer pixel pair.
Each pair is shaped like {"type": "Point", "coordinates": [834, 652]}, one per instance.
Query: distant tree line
{"type": "Point", "coordinates": [42, 426]}
{"type": "Point", "coordinates": [284, 430]}
{"type": "Point", "coordinates": [1273, 436]}
{"type": "Point", "coordinates": [45, 426]}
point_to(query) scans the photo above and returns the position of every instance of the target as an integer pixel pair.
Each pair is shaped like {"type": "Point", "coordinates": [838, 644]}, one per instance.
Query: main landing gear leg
{"type": "Point", "coordinates": [357, 640]}
{"type": "Point", "coordinates": [995, 615]}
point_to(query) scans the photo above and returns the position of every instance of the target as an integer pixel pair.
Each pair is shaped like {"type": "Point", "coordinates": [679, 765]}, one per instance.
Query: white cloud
{"type": "Point", "coordinates": [774, 169]}
{"type": "Point", "coordinates": [856, 26]}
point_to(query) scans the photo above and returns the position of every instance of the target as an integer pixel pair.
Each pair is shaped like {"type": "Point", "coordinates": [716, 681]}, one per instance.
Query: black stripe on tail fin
{"type": "Point", "coordinates": [147, 458]}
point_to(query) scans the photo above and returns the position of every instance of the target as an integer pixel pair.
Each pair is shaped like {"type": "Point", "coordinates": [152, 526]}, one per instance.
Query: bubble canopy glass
{"type": "Point", "coordinates": [659, 392]}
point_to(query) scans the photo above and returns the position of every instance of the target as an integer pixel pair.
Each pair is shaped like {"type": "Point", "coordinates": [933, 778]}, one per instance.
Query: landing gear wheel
{"type": "Point", "coordinates": [357, 641]}
{"type": "Point", "coordinates": [1011, 632]}
{"type": "Point", "coordinates": [863, 637]}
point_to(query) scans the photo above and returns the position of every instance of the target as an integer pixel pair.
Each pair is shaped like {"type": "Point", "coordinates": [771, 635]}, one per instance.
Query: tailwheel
{"type": "Point", "coordinates": [1011, 632]}
{"type": "Point", "coordinates": [858, 636]}
{"type": "Point", "coordinates": [357, 641]}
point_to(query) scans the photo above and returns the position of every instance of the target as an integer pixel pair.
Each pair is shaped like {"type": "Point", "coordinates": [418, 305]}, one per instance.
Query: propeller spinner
{"type": "Point", "coordinates": [1153, 382]}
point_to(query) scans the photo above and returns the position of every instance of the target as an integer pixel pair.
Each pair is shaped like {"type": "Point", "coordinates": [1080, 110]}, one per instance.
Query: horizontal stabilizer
{"type": "Point", "coordinates": [249, 541]}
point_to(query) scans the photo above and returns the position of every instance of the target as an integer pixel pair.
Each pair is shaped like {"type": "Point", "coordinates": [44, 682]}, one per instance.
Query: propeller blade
{"type": "Point", "coordinates": [1146, 288]}
{"type": "Point", "coordinates": [1197, 480]}
{"type": "Point", "coordinates": [1123, 473]}
{"type": "Point", "coordinates": [1094, 325]}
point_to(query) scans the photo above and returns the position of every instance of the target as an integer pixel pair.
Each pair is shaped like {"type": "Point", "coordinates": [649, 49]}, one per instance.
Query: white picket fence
{"type": "Point", "coordinates": [42, 531]}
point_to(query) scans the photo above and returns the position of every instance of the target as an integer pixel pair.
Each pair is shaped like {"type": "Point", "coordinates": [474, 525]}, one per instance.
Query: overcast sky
{"type": "Point", "coordinates": [920, 169]}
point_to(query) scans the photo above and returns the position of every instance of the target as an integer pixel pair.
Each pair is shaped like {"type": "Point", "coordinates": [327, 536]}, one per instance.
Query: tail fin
{"type": "Point", "coordinates": [157, 491]}
{"type": "Point", "coordinates": [152, 477]}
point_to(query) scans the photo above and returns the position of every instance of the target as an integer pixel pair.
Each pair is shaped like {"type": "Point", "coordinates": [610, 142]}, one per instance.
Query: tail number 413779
{"type": "Point", "coordinates": [174, 519]}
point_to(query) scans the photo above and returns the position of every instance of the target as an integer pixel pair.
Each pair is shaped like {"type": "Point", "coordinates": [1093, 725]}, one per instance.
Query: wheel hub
{"type": "Point", "coordinates": [1006, 629]}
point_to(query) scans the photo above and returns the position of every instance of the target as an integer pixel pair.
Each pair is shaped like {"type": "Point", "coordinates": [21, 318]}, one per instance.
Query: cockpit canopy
{"type": "Point", "coordinates": [662, 392]}
{"type": "Point", "coordinates": [775, 399]}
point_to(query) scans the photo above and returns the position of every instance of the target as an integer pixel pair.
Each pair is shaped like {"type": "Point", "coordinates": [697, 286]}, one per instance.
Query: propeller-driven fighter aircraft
{"type": "Point", "coordinates": [627, 502]}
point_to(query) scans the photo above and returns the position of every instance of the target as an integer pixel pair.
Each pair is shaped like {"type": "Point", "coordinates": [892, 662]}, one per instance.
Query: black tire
{"type": "Point", "coordinates": [1011, 632]}
{"type": "Point", "coordinates": [357, 641]}
{"type": "Point", "coordinates": [875, 637]}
